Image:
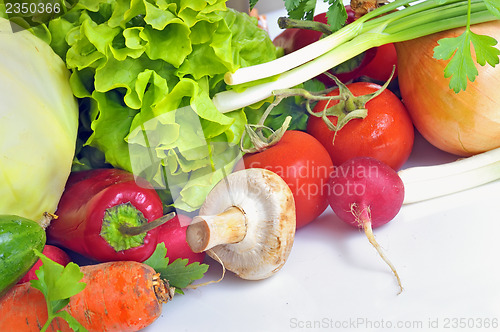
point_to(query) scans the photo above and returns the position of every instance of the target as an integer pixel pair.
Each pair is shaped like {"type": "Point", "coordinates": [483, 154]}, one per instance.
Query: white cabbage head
{"type": "Point", "coordinates": [38, 125]}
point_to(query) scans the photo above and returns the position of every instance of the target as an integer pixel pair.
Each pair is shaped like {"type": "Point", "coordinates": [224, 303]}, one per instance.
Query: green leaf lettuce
{"type": "Point", "coordinates": [145, 73]}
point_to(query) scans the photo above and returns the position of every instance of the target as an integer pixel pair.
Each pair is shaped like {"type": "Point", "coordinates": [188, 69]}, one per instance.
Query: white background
{"type": "Point", "coordinates": [446, 252]}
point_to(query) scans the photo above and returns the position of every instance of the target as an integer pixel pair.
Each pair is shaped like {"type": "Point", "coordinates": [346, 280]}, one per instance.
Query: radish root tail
{"type": "Point", "coordinates": [364, 218]}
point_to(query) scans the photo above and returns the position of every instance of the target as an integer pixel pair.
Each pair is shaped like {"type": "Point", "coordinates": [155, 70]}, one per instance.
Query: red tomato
{"type": "Point", "coordinates": [380, 67]}
{"type": "Point", "coordinates": [385, 134]}
{"type": "Point", "coordinates": [303, 37]}
{"type": "Point", "coordinates": [293, 39]}
{"type": "Point", "coordinates": [305, 166]}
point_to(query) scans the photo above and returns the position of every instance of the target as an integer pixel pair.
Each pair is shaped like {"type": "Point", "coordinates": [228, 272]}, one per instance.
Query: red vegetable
{"type": "Point", "coordinates": [54, 253]}
{"type": "Point", "coordinates": [106, 214]}
{"type": "Point", "coordinates": [304, 164]}
{"type": "Point", "coordinates": [173, 234]}
{"type": "Point", "coordinates": [366, 193]}
{"type": "Point", "coordinates": [382, 64]}
{"type": "Point", "coordinates": [118, 296]}
{"type": "Point", "coordinates": [386, 133]}
{"type": "Point", "coordinates": [293, 39]}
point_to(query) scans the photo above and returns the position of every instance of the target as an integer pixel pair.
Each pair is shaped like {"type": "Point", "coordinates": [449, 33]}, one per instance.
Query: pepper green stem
{"type": "Point", "coordinates": [125, 227]}
{"type": "Point", "coordinates": [144, 228]}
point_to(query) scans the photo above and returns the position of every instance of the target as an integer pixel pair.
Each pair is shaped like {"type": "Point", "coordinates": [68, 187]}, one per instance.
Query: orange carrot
{"type": "Point", "coordinates": [119, 296]}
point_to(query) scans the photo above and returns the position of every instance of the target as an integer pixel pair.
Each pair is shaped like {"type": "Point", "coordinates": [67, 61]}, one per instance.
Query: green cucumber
{"type": "Point", "coordinates": [18, 237]}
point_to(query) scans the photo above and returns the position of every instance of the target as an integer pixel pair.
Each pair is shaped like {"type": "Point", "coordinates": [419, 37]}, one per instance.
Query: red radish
{"type": "Point", "coordinates": [367, 193]}
{"type": "Point", "coordinates": [173, 234]}
{"type": "Point", "coordinates": [56, 254]}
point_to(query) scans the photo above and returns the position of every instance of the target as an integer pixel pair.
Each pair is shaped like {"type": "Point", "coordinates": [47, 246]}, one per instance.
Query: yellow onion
{"type": "Point", "coordinates": [464, 123]}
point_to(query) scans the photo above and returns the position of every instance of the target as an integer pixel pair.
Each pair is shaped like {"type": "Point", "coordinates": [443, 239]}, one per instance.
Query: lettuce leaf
{"type": "Point", "coordinates": [145, 72]}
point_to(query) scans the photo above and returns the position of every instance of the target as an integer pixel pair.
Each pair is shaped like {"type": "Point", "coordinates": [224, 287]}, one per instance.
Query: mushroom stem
{"type": "Point", "coordinates": [206, 232]}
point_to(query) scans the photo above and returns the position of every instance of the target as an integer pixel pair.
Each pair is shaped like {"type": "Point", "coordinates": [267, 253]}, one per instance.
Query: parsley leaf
{"type": "Point", "coordinates": [178, 273]}
{"type": "Point", "coordinates": [461, 66]}
{"type": "Point", "coordinates": [336, 14]}
{"type": "Point", "coordinates": [300, 9]}
{"type": "Point", "coordinates": [158, 258]}
{"type": "Point", "coordinates": [181, 274]}
{"type": "Point", "coordinates": [72, 322]}
{"type": "Point", "coordinates": [253, 3]}
{"type": "Point", "coordinates": [58, 283]}
{"type": "Point", "coordinates": [304, 10]}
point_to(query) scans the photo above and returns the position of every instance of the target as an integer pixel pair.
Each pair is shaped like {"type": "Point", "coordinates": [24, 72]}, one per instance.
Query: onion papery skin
{"type": "Point", "coordinates": [464, 123]}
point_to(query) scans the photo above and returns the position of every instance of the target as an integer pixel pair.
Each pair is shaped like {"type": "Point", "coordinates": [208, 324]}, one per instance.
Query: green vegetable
{"type": "Point", "coordinates": [179, 273]}
{"type": "Point", "coordinates": [304, 9]}
{"type": "Point", "coordinates": [18, 238]}
{"type": "Point", "coordinates": [58, 283]}
{"type": "Point", "coordinates": [38, 125]}
{"type": "Point", "coordinates": [299, 9]}
{"type": "Point", "coordinates": [461, 66]}
{"type": "Point", "coordinates": [145, 73]}
{"type": "Point", "coordinates": [449, 178]}
{"type": "Point", "coordinates": [381, 26]}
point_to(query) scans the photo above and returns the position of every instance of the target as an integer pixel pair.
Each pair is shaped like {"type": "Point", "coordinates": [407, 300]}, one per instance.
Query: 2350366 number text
{"type": "Point", "coordinates": [32, 8]}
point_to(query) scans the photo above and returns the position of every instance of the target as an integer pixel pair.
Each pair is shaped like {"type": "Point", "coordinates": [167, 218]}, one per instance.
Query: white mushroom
{"type": "Point", "coordinates": [248, 220]}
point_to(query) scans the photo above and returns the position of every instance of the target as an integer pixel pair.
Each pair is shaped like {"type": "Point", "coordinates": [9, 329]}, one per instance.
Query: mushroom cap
{"type": "Point", "coordinates": [269, 208]}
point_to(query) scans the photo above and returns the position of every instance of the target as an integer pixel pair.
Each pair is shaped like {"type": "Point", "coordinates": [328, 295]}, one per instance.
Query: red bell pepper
{"type": "Point", "coordinates": [108, 215]}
